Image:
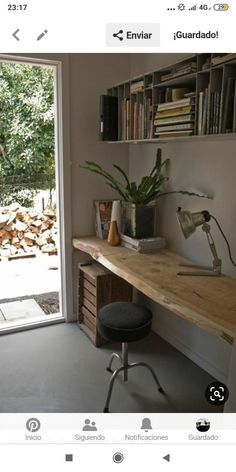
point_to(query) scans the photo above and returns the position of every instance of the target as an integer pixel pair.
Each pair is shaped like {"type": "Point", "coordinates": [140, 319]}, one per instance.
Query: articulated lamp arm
{"type": "Point", "coordinates": [216, 261]}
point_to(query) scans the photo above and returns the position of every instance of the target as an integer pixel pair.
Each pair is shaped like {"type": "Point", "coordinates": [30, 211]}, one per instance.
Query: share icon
{"type": "Point", "coordinates": [117, 35]}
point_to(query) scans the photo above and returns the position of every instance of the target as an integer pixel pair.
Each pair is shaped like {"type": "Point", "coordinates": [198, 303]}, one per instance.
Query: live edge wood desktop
{"type": "Point", "coordinates": [208, 302]}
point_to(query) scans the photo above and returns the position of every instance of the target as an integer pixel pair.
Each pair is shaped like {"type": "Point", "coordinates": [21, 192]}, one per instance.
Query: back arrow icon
{"type": "Point", "coordinates": [15, 35]}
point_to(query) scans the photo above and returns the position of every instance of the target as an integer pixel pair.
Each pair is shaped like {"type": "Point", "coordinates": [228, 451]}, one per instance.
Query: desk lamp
{"type": "Point", "coordinates": [189, 222]}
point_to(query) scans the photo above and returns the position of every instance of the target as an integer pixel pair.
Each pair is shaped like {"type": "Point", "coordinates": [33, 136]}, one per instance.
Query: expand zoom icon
{"type": "Point", "coordinates": [217, 393]}
{"type": "Point", "coordinates": [33, 425]}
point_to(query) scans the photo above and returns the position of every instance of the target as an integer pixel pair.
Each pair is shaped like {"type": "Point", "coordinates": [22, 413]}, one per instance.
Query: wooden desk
{"type": "Point", "coordinates": [208, 302]}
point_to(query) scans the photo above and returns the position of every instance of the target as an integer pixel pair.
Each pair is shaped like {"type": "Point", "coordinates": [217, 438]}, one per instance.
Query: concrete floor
{"type": "Point", "coordinates": [57, 369]}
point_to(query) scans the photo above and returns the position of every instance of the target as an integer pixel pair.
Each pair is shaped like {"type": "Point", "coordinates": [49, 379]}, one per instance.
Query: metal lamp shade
{"type": "Point", "coordinates": [190, 221]}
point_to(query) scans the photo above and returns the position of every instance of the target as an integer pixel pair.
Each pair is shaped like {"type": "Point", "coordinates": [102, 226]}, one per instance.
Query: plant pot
{"type": "Point", "coordinates": [138, 221]}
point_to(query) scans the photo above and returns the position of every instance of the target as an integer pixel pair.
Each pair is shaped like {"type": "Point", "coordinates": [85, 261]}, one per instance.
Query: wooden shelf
{"type": "Point", "coordinates": [209, 302]}
{"type": "Point", "coordinates": [194, 138]}
{"type": "Point", "coordinates": [180, 80]}
{"type": "Point", "coordinates": [136, 110]}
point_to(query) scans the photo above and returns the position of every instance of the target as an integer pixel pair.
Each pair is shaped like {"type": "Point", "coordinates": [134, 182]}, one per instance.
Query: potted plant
{"type": "Point", "coordinates": [138, 200]}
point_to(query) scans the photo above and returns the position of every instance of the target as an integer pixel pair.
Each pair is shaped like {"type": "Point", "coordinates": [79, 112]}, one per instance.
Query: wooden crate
{"type": "Point", "coordinates": [97, 286]}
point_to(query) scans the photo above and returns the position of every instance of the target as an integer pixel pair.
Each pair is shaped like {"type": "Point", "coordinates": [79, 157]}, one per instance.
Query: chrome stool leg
{"type": "Point", "coordinates": [125, 368]}
{"type": "Point", "coordinates": [112, 380]}
{"type": "Point", "coordinates": [143, 364]}
{"type": "Point", "coordinates": [125, 360]}
{"type": "Point", "coordinates": [111, 360]}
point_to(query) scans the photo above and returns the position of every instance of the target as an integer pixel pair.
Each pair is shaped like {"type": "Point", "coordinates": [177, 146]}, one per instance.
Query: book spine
{"type": "Point", "coordinates": [177, 104]}
{"type": "Point", "coordinates": [234, 113]}
{"type": "Point", "coordinates": [200, 112]}
{"type": "Point", "coordinates": [205, 112]}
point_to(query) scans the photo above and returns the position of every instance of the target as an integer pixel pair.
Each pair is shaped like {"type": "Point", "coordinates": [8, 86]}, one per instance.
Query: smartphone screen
{"type": "Point", "coordinates": [117, 223]}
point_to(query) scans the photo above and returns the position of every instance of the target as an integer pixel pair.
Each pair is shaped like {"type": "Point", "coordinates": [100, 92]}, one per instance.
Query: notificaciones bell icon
{"type": "Point", "coordinates": [146, 424]}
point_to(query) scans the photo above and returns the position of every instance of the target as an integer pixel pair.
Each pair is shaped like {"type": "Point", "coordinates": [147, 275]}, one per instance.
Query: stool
{"type": "Point", "coordinates": [124, 322]}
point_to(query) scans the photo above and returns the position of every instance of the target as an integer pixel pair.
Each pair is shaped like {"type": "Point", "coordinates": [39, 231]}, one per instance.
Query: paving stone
{"type": "Point", "coordinates": [21, 310]}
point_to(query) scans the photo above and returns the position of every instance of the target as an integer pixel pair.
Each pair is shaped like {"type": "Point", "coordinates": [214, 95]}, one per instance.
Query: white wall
{"type": "Point", "coordinates": [90, 76]}
{"type": "Point", "coordinates": [209, 166]}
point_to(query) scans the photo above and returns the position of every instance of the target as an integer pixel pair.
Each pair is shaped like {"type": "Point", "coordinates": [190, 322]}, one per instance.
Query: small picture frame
{"type": "Point", "coordinates": [103, 210]}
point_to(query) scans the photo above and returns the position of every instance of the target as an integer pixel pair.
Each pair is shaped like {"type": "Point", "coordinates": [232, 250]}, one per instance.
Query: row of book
{"type": "Point", "coordinates": [136, 119]}
{"type": "Point", "coordinates": [175, 118]}
{"type": "Point", "coordinates": [178, 70]}
{"type": "Point", "coordinates": [143, 245]}
{"type": "Point", "coordinates": [214, 114]}
{"type": "Point", "coordinates": [209, 112]}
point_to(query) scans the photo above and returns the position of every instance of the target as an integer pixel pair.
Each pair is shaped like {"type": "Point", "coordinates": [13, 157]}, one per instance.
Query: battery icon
{"type": "Point", "coordinates": [221, 7]}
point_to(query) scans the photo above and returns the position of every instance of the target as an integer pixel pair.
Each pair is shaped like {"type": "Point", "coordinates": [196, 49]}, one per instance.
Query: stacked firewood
{"type": "Point", "coordinates": [26, 231]}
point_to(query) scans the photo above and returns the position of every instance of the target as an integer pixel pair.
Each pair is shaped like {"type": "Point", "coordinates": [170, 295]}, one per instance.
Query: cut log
{"type": "Point", "coordinates": [13, 250]}
{"type": "Point", "coordinates": [14, 207]}
{"type": "Point", "coordinates": [10, 226]}
{"type": "Point", "coordinates": [20, 234]}
{"type": "Point", "coordinates": [46, 224]}
{"type": "Point", "coordinates": [4, 219]}
{"type": "Point", "coordinates": [36, 223]}
{"type": "Point", "coordinates": [34, 229]}
{"type": "Point", "coordinates": [20, 226]}
{"type": "Point", "coordinates": [29, 235]}
{"type": "Point", "coordinates": [5, 235]}
{"type": "Point", "coordinates": [28, 241]}
{"type": "Point", "coordinates": [26, 244]}
{"type": "Point", "coordinates": [22, 255]}
{"type": "Point", "coordinates": [49, 248]}
{"type": "Point", "coordinates": [5, 252]}
{"type": "Point", "coordinates": [33, 214]}
{"type": "Point", "coordinates": [23, 230]}
{"type": "Point", "coordinates": [49, 212]}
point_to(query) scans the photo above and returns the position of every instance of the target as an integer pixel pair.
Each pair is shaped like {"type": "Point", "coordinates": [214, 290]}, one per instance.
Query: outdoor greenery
{"type": "Point", "coordinates": [147, 191]}
{"type": "Point", "coordinates": [26, 132]}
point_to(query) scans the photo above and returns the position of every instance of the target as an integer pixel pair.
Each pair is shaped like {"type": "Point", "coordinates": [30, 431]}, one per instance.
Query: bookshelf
{"type": "Point", "coordinates": [194, 98]}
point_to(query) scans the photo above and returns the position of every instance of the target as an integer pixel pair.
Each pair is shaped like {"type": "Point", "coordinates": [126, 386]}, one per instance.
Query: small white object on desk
{"type": "Point", "coordinates": [116, 213]}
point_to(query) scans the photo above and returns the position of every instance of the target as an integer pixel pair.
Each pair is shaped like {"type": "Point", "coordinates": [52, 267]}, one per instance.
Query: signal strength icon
{"type": "Point", "coordinates": [193, 8]}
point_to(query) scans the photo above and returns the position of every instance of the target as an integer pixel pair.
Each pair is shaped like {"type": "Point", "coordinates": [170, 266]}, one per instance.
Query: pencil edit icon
{"type": "Point", "coordinates": [41, 36]}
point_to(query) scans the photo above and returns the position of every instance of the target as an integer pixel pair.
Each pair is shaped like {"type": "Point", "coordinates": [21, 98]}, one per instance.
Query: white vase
{"type": "Point", "coordinates": [116, 213]}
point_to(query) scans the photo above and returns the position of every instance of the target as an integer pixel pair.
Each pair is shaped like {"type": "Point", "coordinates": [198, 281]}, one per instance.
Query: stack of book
{"type": "Point", "coordinates": [222, 58]}
{"type": "Point", "coordinates": [175, 118]}
{"type": "Point", "coordinates": [182, 69]}
{"type": "Point", "coordinates": [143, 245]}
{"type": "Point", "coordinates": [137, 87]}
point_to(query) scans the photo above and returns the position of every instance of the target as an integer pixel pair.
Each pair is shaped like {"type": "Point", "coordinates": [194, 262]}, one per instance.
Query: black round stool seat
{"type": "Point", "coordinates": [124, 322]}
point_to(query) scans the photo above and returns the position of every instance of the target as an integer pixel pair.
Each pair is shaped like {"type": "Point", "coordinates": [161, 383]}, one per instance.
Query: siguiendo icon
{"type": "Point", "coordinates": [89, 426]}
